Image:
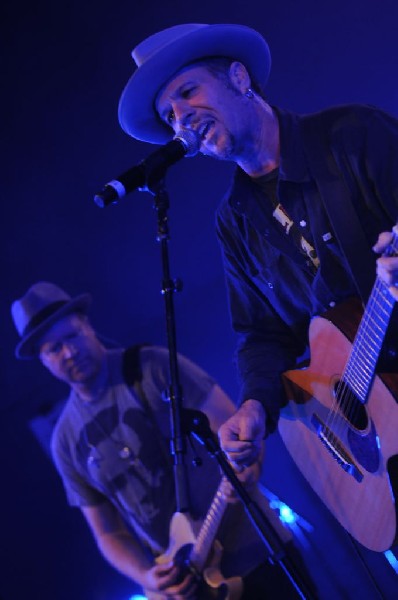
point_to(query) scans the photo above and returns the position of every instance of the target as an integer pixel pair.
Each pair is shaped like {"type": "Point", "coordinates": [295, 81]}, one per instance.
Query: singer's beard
{"type": "Point", "coordinates": [223, 147]}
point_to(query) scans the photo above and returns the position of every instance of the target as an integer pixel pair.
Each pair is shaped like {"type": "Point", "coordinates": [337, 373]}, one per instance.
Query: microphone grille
{"type": "Point", "coordinates": [190, 140]}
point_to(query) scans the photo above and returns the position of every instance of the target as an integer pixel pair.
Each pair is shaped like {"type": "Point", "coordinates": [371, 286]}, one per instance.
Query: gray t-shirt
{"type": "Point", "coordinates": [117, 447]}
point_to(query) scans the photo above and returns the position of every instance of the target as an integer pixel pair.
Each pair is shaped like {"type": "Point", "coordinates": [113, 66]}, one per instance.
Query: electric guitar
{"type": "Point", "coordinates": [192, 554]}
{"type": "Point", "coordinates": [340, 424]}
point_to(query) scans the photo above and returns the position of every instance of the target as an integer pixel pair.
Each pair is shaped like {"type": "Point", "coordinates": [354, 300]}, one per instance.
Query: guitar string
{"type": "Point", "coordinates": [209, 528]}
{"type": "Point", "coordinates": [370, 337]}
{"type": "Point", "coordinates": [363, 355]}
{"type": "Point", "coordinates": [350, 387]}
{"type": "Point", "coordinates": [344, 396]}
{"type": "Point", "coordinates": [351, 390]}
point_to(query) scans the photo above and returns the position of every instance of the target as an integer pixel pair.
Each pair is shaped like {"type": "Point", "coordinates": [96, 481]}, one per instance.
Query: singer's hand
{"type": "Point", "coordinates": [387, 266]}
{"type": "Point", "coordinates": [241, 437]}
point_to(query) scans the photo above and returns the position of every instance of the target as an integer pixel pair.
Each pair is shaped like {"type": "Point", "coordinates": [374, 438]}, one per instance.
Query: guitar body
{"type": "Point", "coordinates": [213, 585]}
{"type": "Point", "coordinates": [350, 469]}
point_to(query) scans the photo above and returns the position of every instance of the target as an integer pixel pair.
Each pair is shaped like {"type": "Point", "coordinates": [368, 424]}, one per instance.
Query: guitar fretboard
{"type": "Point", "coordinates": [208, 531]}
{"type": "Point", "coordinates": [368, 341]}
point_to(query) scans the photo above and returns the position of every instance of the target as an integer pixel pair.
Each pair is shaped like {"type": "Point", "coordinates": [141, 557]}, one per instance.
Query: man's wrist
{"type": "Point", "coordinates": [253, 404]}
{"type": "Point", "coordinates": [256, 406]}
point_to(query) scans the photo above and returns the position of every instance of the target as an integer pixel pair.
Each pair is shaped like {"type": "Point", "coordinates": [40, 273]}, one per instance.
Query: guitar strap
{"type": "Point", "coordinates": [338, 203]}
{"type": "Point", "coordinates": [131, 366]}
{"type": "Point", "coordinates": [132, 375]}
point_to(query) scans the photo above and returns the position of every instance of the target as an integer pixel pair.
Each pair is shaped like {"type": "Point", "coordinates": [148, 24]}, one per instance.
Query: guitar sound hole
{"type": "Point", "coordinates": [351, 407]}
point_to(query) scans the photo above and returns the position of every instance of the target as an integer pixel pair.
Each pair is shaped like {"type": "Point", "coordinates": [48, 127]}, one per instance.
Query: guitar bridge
{"type": "Point", "coordinates": [336, 449]}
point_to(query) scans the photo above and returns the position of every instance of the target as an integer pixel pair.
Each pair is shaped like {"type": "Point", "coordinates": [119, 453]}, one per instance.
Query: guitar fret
{"type": "Point", "coordinates": [367, 345]}
{"type": "Point", "coordinates": [208, 531]}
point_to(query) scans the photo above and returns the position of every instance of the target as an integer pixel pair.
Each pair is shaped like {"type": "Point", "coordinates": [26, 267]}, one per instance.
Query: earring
{"type": "Point", "coordinates": [249, 93]}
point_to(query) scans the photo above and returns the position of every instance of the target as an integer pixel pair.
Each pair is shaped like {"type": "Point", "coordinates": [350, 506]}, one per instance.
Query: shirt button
{"type": "Point", "coordinates": [270, 285]}
{"type": "Point", "coordinates": [303, 223]}
{"type": "Point", "coordinates": [332, 304]}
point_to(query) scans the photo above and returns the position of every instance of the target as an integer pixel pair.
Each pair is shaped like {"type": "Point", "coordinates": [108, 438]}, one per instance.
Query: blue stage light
{"type": "Point", "coordinates": [290, 519]}
{"type": "Point", "coordinates": [392, 559]}
{"type": "Point", "coordinates": [286, 514]}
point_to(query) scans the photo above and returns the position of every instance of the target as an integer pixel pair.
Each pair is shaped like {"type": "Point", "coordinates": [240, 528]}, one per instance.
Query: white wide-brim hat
{"type": "Point", "coordinates": [162, 54]}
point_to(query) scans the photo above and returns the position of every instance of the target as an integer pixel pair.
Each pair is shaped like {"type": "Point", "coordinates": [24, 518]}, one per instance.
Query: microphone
{"type": "Point", "coordinates": [150, 170]}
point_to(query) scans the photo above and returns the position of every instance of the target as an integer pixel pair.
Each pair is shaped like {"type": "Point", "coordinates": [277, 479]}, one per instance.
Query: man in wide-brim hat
{"type": "Point", "coordinates": [310, 196]}
{"type": "Point", "coordinates": [210, 79]}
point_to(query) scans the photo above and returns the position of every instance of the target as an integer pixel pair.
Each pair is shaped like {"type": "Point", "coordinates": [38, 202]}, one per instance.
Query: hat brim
{"type": "Point", "coordinates": [137, 114]}
{"type": "Point", "coordinates": [27, 347]}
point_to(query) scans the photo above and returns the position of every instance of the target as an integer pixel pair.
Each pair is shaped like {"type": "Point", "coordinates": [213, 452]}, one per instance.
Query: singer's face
{"type": "Point", "coordinates": [71, 351]}
{"type": "Point", "coordinates": [214, 106]}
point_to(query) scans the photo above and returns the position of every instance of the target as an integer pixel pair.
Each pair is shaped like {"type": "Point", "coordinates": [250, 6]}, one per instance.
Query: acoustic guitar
{"type": "Point", "coordinates": [200, 554]}
{"type": "Point", "coordinates": [340, 424]}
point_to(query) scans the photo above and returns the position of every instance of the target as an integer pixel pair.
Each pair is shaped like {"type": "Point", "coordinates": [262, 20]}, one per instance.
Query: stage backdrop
{"type": "Point", "coordinates": [64, 67]}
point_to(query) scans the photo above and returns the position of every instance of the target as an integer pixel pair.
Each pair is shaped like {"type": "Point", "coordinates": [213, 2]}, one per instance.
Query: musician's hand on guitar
{"type": "Point", "coordinates": [387, 266]}
{"type": "Point", "coordinates": [241, 437]}
{"type": "Point", "coordinates": [164, 581]}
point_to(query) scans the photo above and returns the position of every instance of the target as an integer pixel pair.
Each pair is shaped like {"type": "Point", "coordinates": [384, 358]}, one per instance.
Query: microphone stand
{"type": "Point", "coordinates": [174, 393]}
{"type": "Point", "coordinates": [184, 422]}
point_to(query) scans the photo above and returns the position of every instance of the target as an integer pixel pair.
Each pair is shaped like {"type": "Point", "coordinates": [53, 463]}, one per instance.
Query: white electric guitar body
{"type": "Point", "coordinates": [201, 554]}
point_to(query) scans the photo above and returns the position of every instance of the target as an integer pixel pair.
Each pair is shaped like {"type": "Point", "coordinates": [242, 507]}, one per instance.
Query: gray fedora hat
{"type": "Point", "coordinates": [43, 304]}
{"type": "Point", "coordinates": [161, 55]}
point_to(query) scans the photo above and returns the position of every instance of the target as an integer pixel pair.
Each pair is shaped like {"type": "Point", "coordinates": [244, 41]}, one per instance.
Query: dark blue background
{"type": "Point", "coordinates": [64, 67]}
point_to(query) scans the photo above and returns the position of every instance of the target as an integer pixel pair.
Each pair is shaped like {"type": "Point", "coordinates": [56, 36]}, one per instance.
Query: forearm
{"type": "Point", "coordinates": [117, 544]}
{"type": "Point", "coordinates": [260, 366]}
{"type": "Point", "coordinates": [125, 554]}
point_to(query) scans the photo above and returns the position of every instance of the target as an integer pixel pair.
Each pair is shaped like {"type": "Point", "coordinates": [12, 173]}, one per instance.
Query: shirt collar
{"type": "Point", "coordinates": [292, 165]}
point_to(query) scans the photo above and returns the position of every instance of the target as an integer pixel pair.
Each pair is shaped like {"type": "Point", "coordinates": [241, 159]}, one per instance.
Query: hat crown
{"type": "Point", "coordinates": [39, 309]}
{"type": "Point", "coordinates": [160, 40]}
{"type": "Point", "coordinates": [40, 297]}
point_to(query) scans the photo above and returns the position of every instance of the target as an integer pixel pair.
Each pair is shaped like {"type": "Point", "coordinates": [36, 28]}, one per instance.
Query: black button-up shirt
{"type": "Point", "coordinates": [272, 291]}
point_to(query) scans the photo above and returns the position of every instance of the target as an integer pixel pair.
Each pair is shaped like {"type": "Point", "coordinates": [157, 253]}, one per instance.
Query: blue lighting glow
{"type": "Point", "coordinates": [290, 519]}
{"type": "Point", "coordinates": [137, 597]}
{"type": "Point", "coordinates": [392, 559]}
{"type": "Point", "coordinates": [286, 514]}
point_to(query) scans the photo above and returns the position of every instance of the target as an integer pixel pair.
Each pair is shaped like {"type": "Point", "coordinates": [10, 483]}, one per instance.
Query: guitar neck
{"type": "Point", "coordinates": [369, 339]}
{"type": "Point", "coordinates": [208, 531]}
